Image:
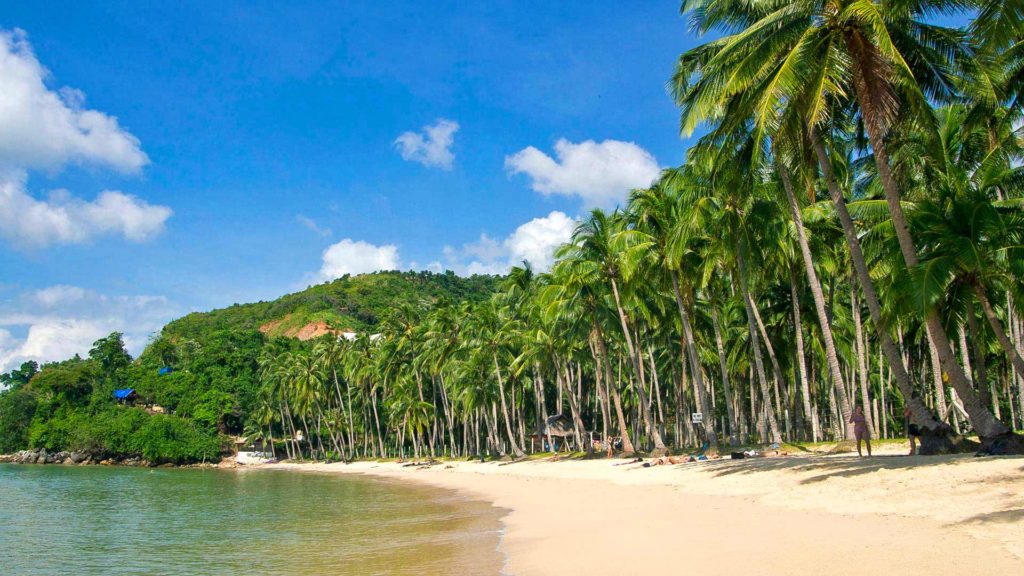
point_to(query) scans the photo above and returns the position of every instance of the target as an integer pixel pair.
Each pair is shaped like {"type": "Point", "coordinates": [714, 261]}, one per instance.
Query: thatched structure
{"type": "Point", "coordinates": [560, 426]}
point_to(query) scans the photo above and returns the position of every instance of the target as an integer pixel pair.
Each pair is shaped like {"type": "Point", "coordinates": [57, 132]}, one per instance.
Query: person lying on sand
{"type": "Point", "coordinates": [668, 460]}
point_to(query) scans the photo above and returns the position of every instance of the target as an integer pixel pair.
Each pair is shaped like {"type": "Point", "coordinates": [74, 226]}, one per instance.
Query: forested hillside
{"type": "Point", "coordinates": [197, 381]}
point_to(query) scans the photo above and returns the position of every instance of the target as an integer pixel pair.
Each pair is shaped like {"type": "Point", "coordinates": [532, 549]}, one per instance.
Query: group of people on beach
{"type": "Point", "coordinates": [863, 434]}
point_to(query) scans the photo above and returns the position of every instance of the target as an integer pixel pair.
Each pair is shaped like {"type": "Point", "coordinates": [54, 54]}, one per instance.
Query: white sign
{"type": "Point", "coordinates": [697, 417]}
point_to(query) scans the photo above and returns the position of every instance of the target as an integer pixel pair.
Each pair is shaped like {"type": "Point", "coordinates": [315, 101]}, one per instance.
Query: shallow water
{"type": "Point", "coordinates": [107, 520]}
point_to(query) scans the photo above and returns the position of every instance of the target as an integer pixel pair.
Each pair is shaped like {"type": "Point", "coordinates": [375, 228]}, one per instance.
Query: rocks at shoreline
{"type": "Point", "coordinates": [41, 456]}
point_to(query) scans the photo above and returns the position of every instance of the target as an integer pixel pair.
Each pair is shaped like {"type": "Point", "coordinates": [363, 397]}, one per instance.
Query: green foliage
{"type": "Point", "coordinates": [125, 432]}
{"type": "Point", "coordinates": [171, 439]}
{"type": "Point", "coordinates": [19, 377]}
{"type": "Point", "coordinates": [17, 407]}
{"type": "Point", "coordinates": [358, 303]}
{"type": "Point", "coordinates": [110, 353]}
{"type": "Point", "coordinates": [214, 383]}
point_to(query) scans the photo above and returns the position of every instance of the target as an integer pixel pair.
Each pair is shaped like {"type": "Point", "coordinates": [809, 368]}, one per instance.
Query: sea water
{"type": "Point", "coordinates": [108, 520]}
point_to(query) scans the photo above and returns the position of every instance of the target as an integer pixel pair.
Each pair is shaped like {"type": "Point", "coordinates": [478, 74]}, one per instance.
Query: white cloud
{"type": "Point", "coordinates": [46, 129]}
{"type": "Point", "coordinates": [60, 294]}
{"type": "Point", "coordinates": [537, 240]}
{"type": "Point", "coordinates": [601, 174]}
{"type": "Point", "coordinates": [534, 242]}
{"type": "Point", "coordinates": [60, 321]}
{"type": "Point", "coordinates": [431, 147]}
{"type": "Point", "coordinates": [66, 219]}
{"type": "Point", "coordinates": [357, 257]}
{"type": "Point", "coordinates": [313, 226]}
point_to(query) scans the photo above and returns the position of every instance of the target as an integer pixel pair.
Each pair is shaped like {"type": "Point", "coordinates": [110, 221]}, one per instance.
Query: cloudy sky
{"type": "Point", "coordinates": [155, 161]}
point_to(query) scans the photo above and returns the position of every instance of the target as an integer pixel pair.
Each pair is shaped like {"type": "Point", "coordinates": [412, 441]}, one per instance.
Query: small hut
{"type": "Point", "coordinates": [555, 427]}
{"type": "Point", "coordinates": [125, 395]}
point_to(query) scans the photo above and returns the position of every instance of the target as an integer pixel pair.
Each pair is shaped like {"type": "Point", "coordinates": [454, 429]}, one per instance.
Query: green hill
{"type": "Point", "coordinates": [198, 380]}
{"type": "Point", "coordinates": [356, 303]}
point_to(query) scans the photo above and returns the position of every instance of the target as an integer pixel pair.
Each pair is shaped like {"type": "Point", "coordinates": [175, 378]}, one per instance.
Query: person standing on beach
{"type": "Point", "coordinates": [913, 430]}
{"type": "Point", "coordinates": [860, 430]}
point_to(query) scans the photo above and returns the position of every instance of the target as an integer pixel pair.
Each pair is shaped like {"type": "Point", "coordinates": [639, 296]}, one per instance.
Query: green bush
{"type": "Point", "coordinates": [171, 439]}
{"type": "Point", "coordinates": [17, 407]}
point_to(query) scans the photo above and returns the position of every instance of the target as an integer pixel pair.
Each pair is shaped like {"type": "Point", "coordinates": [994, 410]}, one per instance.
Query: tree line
{"type": "Point", "coordinates": [846, 232]}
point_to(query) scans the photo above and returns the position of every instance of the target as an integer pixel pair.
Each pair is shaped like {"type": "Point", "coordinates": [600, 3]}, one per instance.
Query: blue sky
{"type": "Point", "coordinates": [250, 150]}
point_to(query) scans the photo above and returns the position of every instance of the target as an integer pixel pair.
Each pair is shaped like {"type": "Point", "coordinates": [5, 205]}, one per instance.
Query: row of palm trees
{"type": "Point", "coordinates": [847, 232]}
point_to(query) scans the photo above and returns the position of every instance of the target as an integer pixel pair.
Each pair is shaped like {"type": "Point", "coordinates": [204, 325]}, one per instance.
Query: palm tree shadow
{"type": "Point", "coordinates": [844, 466]}
{"type": "Point", "coordinates": [1010, 516]}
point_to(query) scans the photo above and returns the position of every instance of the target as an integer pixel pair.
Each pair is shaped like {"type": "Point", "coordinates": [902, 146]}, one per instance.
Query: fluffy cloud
{"type": "Point", "coordinates": [432, 146]}
{"type": "Point", "coordinates": [43, 128]}
{"type": "Point", "coordinates": [47, 129]}
{"type": "Point", "coordinates": [65, 219]}
{"type": "Point", "coordinates": [357, 257]}
{"type": "Point", "coordinates": [601, 174]}
{"type": "Point", "coordinates": [61, 321]}
{"type": "Point", "coordinates": [534, 242]}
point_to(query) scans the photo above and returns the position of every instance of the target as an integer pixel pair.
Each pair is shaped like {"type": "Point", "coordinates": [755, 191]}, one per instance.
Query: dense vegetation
{"type": "Point", "coordinates": [210, 385]}
{"type": "Point", "coordinates": [849, 232]}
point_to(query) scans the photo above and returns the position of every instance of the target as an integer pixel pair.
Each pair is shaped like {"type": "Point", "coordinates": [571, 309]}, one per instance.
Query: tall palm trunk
{"type": "Point", "coordinates": [940, 389]}
{"type": "Point", "coordinates": [504, 409]}
{"type": "Point", "coordinates": [937, 439]}
{"type": "Point", "coordinates": [997, 329]}
{"type": "Point", "coordinates": [659, 444]}
{"type": "Point", "coordinates": [755, 349]}
{"type": "Point", "coordinates": [726, 386]}
{"type": "Point", "coordinates": [869, 86]}
{"type": "Point", "coordinates": [699, 390]}
{"type": "Point", "coordinates": [862, 364]}
{"type": "Point", "coordinates": [627, 443]}
{"type": "Point", "coordinates": [805, 390]}
{"type": "Point", "coordinates": [831, 356]}
{"type": "Point", "coordinates": [985, 388]}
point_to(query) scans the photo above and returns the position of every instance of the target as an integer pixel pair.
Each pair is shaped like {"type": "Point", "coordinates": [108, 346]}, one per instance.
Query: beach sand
{"type": "Point", "coordinates": [806, 514]}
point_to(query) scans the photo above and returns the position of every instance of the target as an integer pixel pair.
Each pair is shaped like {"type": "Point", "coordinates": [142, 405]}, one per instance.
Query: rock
{"type": "Point", "coordinates": [78, 457]}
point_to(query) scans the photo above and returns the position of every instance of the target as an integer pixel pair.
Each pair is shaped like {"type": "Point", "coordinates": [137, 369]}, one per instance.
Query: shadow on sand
{"type": "Point", "coordinates": [833, 466]}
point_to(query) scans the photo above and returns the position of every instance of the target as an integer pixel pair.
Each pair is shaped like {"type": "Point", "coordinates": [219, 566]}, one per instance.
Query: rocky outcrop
{"type": "Point", "coordinates": [41, 456]}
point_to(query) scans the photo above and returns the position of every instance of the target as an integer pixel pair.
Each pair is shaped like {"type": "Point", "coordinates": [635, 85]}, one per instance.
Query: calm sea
{"type": "Point", "coordinates": [99, 520]}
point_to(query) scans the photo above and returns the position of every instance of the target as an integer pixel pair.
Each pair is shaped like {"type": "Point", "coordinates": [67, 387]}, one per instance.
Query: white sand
{"type": "Point", "coordinates": [799, 515]}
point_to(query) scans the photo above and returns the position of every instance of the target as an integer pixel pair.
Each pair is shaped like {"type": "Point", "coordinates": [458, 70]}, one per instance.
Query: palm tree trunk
{"type": "Point", "coordinates": [940, 392]}
{"type": "Point", "coordinates": [866, 83]}
{"type": "Point", "coordinates": [659, 444]}
{"type": "Point", "coordinates": [755, 349]}
{"type": "Point", "coordinates": [862, 367]}
{"type": "Point", "coordinates": [699, 390]}
{"type": "Point", "coordinates": [805, 390]}
{"type": "Point", "coordinates": [997, 329]}
{"type": "Point", "coordinates": [376, 419]}
{"type": "Point", "coordinates": [936, 439]}
{"type": "Point", "coordinates": [627, 443]}
{"type": "Point", "coordinates": [726, 387]}
{"type": "Point", "coordinates": [985, 388]}
{"type": "Point", "coordinates": [504, 409]}
{"type": "Point", "coordinates": [831, 356]}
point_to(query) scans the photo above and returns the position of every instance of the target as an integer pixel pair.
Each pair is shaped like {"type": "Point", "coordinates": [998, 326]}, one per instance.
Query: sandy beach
{"type": "Point", "coordinates": [807, 514]}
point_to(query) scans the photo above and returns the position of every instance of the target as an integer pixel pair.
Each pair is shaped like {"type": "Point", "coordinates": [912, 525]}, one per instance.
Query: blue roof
{"type": "Point", "coordinates": [123, 393]}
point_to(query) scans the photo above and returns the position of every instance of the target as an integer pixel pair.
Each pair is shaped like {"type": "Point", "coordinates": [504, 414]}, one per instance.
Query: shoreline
{"type": "Point", "coordinates": [797, 515]}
